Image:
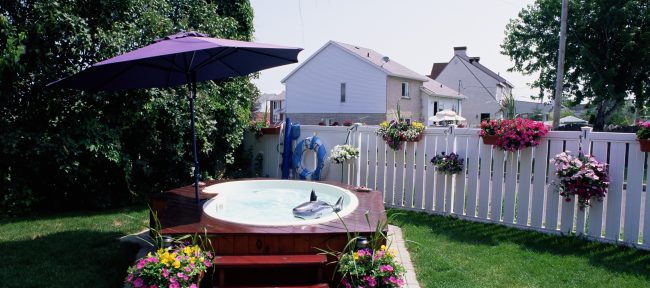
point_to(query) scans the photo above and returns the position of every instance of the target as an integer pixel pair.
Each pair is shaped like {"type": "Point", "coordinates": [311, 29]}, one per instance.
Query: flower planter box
{"type": "Point", "coordinates": [645, 145]}
{"type": "Point", "coordinates": [271, 130]}
{"type": "Point", "coordinates": [417, 139]}
{"type": "Point", "coordinates": [490, 139]}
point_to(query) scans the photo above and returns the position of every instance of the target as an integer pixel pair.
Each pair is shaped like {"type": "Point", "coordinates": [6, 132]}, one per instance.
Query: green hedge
{"type": "Point", "coordinates": [64, 149]}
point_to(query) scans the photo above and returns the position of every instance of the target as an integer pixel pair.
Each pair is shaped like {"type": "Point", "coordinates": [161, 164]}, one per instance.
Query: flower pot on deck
{"type": "Point", "coordinates": [271, 130]}
{"type": "Point", "coordinates": [490, 139]}
{"type": "Point", "coordinates": [645, 145]}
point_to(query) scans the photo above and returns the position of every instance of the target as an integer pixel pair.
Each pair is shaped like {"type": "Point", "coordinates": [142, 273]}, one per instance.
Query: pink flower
{"type": "Point", "coordinates": [174, 285]}
{"type": "Point", "coordinates": [172, 280]}
{"type": "Point", "coordinates": [129, 278]}
{"type": "Point", "coordinates": [370, 280]}
{"type": "Point", "coordinates": [165, 272]}
{"type": "Point", "coordinates": [141, 264]}
{"type": "Point", "coordinates": [193, 285]}
{"type": "Point", "coordinates": [384, 268]}
{"type": "Point", "coordinates": [138, 283]}
{"type": "Point", "coordinates": [153, 286]}
{"type": "Point", "coordinates": [345, 283]}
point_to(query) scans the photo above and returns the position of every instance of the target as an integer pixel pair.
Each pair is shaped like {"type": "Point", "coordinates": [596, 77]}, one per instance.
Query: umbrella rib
{"type": "Point", "coordinates": [269, 55]}
{"type": "Point", "coordinates": [230, 67]}
{"type": "Point", "coordinates": [215, 57]}
{"type": "Point", "coordinates": [103, 83]}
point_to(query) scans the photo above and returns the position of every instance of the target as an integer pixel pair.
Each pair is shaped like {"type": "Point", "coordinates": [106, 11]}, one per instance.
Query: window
{"type": "Point", "coordinates": [405, 90]}
{"type": "Point", "coordinates": [435, 108]}
{"type": "Point", "coordinates": [342, 92]}
{"type": "Point", "coordinates": [485, 116]}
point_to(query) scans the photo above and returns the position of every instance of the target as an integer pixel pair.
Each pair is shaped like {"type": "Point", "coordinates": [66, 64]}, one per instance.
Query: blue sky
{"type": "Point", "coordinates": [413, 33]}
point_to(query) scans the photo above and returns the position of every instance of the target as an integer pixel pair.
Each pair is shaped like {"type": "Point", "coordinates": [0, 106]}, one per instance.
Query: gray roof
{"type": "Point", "coordinates": [391, 67]}
{"type": "Point", "coordinates": [436, 69]}
{"type": "Point", "coordinates": [435, 88]}
{"type": "Point", "coordinates": [475, 61]}
{"type": "Point", "coordinates": [527, 107]}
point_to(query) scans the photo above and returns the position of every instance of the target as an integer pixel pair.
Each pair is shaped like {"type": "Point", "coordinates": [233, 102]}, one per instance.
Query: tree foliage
{"type": "Point", "coordinates": [607, 50]}
{"type": "Point", "coordinates": [65, 148]}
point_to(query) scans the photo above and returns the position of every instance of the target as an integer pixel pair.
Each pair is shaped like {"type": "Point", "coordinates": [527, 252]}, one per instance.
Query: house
{"type": "Point", "coordinates": [534, 110]}
{"type": "Point", "coordinates": [272, 105]}
{"type": "Point", "coordinates": [348, 83]}
{"type": "Point", "coordinates": [483, 88]}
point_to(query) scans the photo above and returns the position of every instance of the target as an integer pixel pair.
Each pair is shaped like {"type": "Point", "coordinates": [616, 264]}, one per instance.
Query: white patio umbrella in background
{"type": "Point", "coordinates": [446, 115]}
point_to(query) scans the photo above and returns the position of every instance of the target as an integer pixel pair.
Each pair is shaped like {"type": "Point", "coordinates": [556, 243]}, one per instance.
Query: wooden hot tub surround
{"type": "Point", "coordinates": [179, 215]}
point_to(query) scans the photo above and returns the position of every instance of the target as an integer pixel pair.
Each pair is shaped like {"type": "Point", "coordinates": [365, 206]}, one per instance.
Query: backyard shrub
{"type": "Point", "coordinates": [65, 148]}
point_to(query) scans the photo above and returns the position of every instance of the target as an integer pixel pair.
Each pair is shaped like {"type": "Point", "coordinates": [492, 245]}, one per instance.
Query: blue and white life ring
{"type": "Point", "coordinates": [312, 143]}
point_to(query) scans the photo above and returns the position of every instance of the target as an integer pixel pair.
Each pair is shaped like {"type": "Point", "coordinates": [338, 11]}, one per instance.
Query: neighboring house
{"type": "Point", "coordinates": [482, 87]}
{"type": "Point", "coordinates": [342, 82]}
{"type": "Point", "coordinates": [534, 110]}
{"type": "Point", "coordinates": [273, 105]}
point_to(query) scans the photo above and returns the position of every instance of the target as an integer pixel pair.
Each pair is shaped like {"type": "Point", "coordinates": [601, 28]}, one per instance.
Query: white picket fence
{"type": "Point", "coordinates": [515, 190]}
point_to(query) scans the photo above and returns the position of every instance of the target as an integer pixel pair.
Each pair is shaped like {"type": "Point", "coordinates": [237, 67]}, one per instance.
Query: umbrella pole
{"type": "Point", "coordinates": [196, 160]}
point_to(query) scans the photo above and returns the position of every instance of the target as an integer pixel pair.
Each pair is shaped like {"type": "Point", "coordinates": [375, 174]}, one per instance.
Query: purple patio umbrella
{"type": "Point", "coordinates": [180, 59]}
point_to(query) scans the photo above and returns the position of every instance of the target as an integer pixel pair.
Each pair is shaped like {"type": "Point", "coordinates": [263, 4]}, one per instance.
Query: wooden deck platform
{"type": "Point", "coordinates": [179, 215]}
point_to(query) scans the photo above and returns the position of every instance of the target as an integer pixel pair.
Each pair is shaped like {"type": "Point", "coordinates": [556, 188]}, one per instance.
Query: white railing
{"type": "Point", "coordinates": [515, 190]}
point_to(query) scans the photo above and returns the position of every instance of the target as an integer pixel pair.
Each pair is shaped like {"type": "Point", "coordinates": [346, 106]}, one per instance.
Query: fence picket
{"type": "Point", "coordinates": [599, 151]}
{"type": "Point", "coordinates": [390, 174]}
{"type": "Point", "coordinates": [429, 187]}
{"type": "Point", "coordinates": [567, 209]}
{"type": "Point", "coordinates": [372, 161]}
{"type": "Point", "coordinates": [615, 191]}
{"type": "Point", "coordinates": [633, 194]}
{"type": "Point", "coordinates": [523, 195]}
{"type": "Point", "coordinates": [473, 146]}
{"type": "Point", "coordinates": [459, 190]}
{"type": "Point", "coordinates": [420, 170]}
{"type": "Point", "coordinates": [381, 166]}
{"type": "Point", "coordinates": [539, 185]}
{"type": "Point", "coordinates": [511, 187]}
{"type": "Point", "coordinates": [497, 185]}
{"type": "Point", "coordinates": [552, 195]}
{"type": "Point", "coordinates": [363, 159]}
{"type": "Point", "coordinates": [439, 204]}
{"type": "Point", "coordinates": [646, 214]}
{"type": "Point", "coordinates": [484, 180]}
{"type": "Point", "coordinates": [408, 174]}
{"type": "Point", "coordinates": [399, 176]}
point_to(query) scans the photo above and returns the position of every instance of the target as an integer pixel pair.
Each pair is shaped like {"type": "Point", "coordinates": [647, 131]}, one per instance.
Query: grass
{"type": "Point", "coordinates": [454, 253]}
{"type": "Point", "coordinates": [78, 249]}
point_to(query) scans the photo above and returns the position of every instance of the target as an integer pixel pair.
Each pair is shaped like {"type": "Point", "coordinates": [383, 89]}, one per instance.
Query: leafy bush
{"type": "Point", "coordinates": [66, 148]}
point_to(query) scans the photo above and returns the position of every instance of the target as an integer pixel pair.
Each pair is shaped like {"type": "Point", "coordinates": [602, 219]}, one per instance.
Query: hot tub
{"type": "Point", "coordinates": [270, 202]}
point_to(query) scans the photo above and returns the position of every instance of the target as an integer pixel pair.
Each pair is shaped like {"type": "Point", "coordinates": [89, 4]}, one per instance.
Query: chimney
{"type": "Point", "coordinates": [462, 51]}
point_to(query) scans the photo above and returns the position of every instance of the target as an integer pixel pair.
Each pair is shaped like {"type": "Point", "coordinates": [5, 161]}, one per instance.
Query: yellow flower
{"type": "Point", "coordinates": [356, 255]}
{"type": "Point", "coordinates": [187, 250]}
{"type": "Point", "coordinates": [392, 252]}
{"type": "Point", "coordinates": [383, 247]}
{"type": "Point", "coordinates": [384, 124]}
{"type": "Point", "coordinates": [195, 248]}
{"type": "Point", "coordinates": [177, 264]}
{"type": "Point", "coordinates": [164, 261]}
{"type": "Point", "coordinates": [192, 260]}
{"type": "Point", "coordinates": [201, 259]}
{"type": "Point", "coordinates": [160, 251]}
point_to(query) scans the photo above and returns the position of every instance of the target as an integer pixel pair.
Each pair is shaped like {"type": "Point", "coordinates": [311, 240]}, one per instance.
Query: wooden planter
{"type": "Point", "coordinates": [271, 130]}
{"type": "Point", "coordinates": [645, 145]}
{"type": "Point", "coordinates": [490, 139]}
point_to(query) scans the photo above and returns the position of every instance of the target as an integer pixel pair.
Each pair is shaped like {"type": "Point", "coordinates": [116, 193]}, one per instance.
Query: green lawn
{"type": "Point", "coordinates": [68, 250]}
{"type": "Point", "coordinates": [455, 253]}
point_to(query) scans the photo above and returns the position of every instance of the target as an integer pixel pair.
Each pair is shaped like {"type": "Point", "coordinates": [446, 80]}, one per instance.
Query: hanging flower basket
{"type": "Point", "coordinates": [271, 130]}
{"type": "Point", "coordinates": [644, 144]}
{"type": "Point", "coordinates": [513, 134]}
{"type": "Point", "coordinates": [396, 133]}
{"type": "Point", "coordinates": [581, 176]}
{"type": "Point", "coordinates": [448, 164]}
{"type": "Point", "coordinates": [490, 139]}
{"type": "Point", "coordinates": [643, 135]}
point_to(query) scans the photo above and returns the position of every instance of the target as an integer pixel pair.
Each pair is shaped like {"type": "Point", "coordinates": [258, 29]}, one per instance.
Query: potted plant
{"type": "Point", "coordinates": [643, 135]}
{"type": "Point", "coordinates": [342, 153]}
{"type": "Point", "coordinates": [448, 164]}
{"type": "Point", "coordinates": [182, 266]}
{"type": "Point", "coordinates": [489, 130]}
{"type": "Point", "coordinates": [582, 176]}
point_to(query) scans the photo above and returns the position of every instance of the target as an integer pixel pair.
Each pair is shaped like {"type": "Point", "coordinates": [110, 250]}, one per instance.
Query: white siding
{"type": "Point", "coordinates": [480, 99]}
{"type": "Point", "coordinates": [316, 87]}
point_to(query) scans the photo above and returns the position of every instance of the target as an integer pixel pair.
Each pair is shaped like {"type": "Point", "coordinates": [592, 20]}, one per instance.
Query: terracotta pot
{"type": "Point", "coordinates": [271, 130]}
{"type": "Point", "coordinates": [645, 145]}
{"type": "Point", "coordinates": [490, 139]}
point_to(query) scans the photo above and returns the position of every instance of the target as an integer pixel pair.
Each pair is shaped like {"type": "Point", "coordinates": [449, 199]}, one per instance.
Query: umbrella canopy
{"type": "Point", "coordinates": [572, 120]}
{"type": "Point", "coordinates": [446, 115]}
{"type": "Point", "coordinates": [175, 59]}
{"type": "Point", "coordinates": [179, 59]}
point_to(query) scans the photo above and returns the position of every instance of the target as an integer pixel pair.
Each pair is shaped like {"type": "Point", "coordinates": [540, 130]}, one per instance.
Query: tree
{"type": "Point", "coordinates": [66, 148]}
{"type": "Point", "coordinates": [606, 54]}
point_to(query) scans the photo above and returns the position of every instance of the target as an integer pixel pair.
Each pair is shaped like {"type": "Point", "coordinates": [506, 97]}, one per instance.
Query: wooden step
{"type": "Point", "coordinates": [269, 261]}
{"type": "Point", "coordinates": [251, 262]}
{"type": "Point", "coordinates": [320, 285]}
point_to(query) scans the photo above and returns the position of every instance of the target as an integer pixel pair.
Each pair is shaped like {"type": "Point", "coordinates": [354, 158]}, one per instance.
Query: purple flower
{"type": "Point", "coordinates": [372, 282]}
{"type": "Point", "coordinates": [384, 268]}
{"type": "Point", "coordinates": [138, 283]}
